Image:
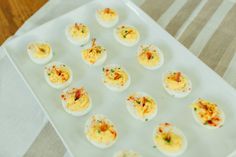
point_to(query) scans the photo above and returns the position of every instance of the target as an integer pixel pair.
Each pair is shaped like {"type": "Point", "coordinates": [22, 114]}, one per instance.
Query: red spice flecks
{"type": "Point", "coordinates": [107, 10]}
{"type": "Point", "coordinates": [210, 122]}
{"type": "Point", "coordinates": [149, 55]}
{"type": "Point", "coordinates": [144, 101]}
{"type": "Point", "coordinates": [216, 118]}
{"type": "Point", "coordinates": [131, 98]}
{"type": "Point", "coordinates": [177, 78]}
{"type": "Point", "coordinates": [202, 105]}
{"type": "Point", "coordinates": [117, 76]}
{"type": "Point", "coordinates": [104, 127]}
{"type": "Point", "coordinates": [114, 133]}
{"type": "Point", "coordinates": [160, 130]}
{"type": "Point", "coordinates": [77, 94]}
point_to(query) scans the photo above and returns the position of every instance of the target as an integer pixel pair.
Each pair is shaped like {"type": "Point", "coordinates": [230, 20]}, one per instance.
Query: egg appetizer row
{"type": "Point", "coordinates": [140, 105]}
{"type": "Point", "coordinates": [102, 133]}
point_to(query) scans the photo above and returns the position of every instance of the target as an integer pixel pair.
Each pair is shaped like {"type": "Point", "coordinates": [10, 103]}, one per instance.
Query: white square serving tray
{"type": "Point", "coordinates": [133, 134]}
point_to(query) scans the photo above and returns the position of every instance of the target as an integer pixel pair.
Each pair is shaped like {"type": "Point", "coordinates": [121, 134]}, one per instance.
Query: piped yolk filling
{"type": "Point", "coordinates": [148, 57]}
{"type": "Point", "coordinates": [102, 132]}
{"type": "Point", "coordinates": [207, 112]}
{"type": "Point", "coordinates": [168, 140]}
{"type": "Point", "coordinates": [76, 99]}
{"type": "Point", "coordinates": [127, 33]}
{"type": "Point", "coordinates": [40, 50]}
{"type": "Point", "coordinates": [144, 106]}
{"type": "Point", "coordinates": [93, 54]}
{"type": "Point", "coordinates": [115, 76]}
{"type": "Point", "coordinates": [78, 31]}
{"type": "Point", "coordinates": [107, 14]}
{"type": "Point", "coordinates": [58, 74]}
{"type": "Point", "coordinates": [176, 81]}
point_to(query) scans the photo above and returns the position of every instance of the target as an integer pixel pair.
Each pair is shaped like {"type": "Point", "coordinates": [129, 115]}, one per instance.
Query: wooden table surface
{"type": "Point", "coordinates": [13, 13]}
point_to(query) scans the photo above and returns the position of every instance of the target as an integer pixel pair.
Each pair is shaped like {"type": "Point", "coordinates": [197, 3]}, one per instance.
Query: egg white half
{"type": "Point", "coordinates": [106, 24]}
{"type": "Point", "coordinates": [222, 115]}
{"type": "Point", "coordinates": [39, 60]}
{"type": "Point", "coordinates": [123, 42]}
{"type": "Point", "coordinates": [133, 112]}
{"type": "Point", "coordinates": [79, 42]}
{"type": "Point", "coordinates": [117, 88]}
{"type": "Point", "coordinates": [76, 113]}
{"type": "Point", "coordinates": [56, 85]}
{"type": "Point", "coordinates": [175, 93]}
{"type": "Point", "coordinates": [178, 132]}
{"type": "Point", "coordinates": [87, 126]}
{"type": "Point", "coordinates": [160, 54]}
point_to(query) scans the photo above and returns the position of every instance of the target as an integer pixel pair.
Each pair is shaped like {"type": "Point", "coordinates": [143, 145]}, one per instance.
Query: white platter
{"type": "Point", "coordinates": [133, 134]}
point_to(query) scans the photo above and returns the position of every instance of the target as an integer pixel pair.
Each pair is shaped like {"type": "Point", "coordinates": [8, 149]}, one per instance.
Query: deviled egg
{"type": "Point", "coordinates": [177, 84]}
{"type": "Point", "coordinates": [208, 114]}
{"type": "Point", "coordinates": [78, 33]}
{"type": "Point", "coordinates": [141, 106]}
{"type": "Point", "coordinates": [127, 153]}
{"type": "Point", "coordinates": [126, 35]}
{"type": "Point", "coordinates": [150, 57]}
{"type": "Point", "coordinates": [58, 75]}
{"type": "Point", "coordinates": [169, 140]}
{"type": "Point", "coordinates": [107, 17]}
{"type": "Point", "coordinates": [76, 101]}
{"type": "Point", "coordinates": [40, 52]}
{"type": "Point", "coordinates": [115, 77]}
{"type": "Point", "coordinates": [95, 55]}
{"type": "Point", "coordinates": [100, 131]}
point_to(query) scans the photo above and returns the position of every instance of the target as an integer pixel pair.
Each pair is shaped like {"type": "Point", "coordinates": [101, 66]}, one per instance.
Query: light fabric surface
{"type": "Point", "coordinates": [206, 27]}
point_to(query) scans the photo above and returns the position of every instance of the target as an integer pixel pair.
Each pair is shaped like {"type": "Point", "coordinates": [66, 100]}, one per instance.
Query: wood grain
{"type": "Point", "coordinates": [13, 13]}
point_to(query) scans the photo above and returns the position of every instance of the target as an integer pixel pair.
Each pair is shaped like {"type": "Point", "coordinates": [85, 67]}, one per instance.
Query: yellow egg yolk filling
{"type": "Point", "coordinates": [58, 74]}
{"type": "Point", "coordinates": [76, 99]}
{"type": "Point", "coordinates": [148, 57]}
{"type": "Point", "coordinates": [169, 142]}
{"type": "Point", "coordinates": [107, 14]}
{"type": "Point", "coordinates": [93, 54]}
{"type": "Point", "coordinates": [176, 81]}
{"type": "Point", "coordinates": [207, 112]}
{"type": "Point", "coordinates": [143, 105]}
{"type": "Point", "coordinates": [40, 50]}
{"type": "Point", "coordinates": [102, 132]}
{"type": "Point", "coordinates": [128, 33]}
{"type": "Point", "coordinates": [78, 31]}
{"type": "Point", "coordinates": [167, 139]}
{"type": "Point", "coordinates": [115, 76]}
